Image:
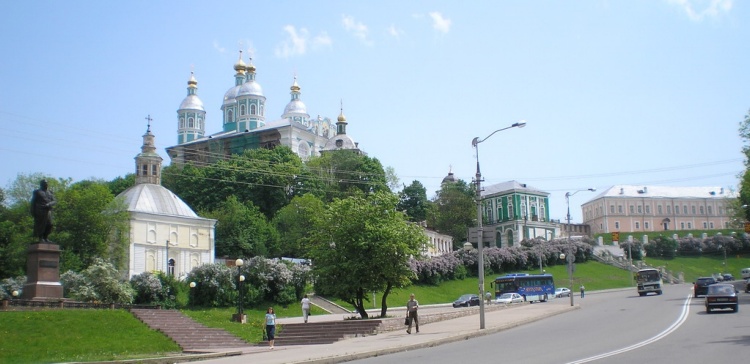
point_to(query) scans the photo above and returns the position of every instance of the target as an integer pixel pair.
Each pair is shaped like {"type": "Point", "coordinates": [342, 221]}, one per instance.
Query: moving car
{"type": "Point", "coordinates": [727, 277]}
{"type": "Point", "coordinates": [562, 292]}
{"type": "Point", "coordinates": [466, 301]}
{"type": "Point", "coordinates": [721, 296]}
{"type": "Point", "coordinates": [508, 298]}
{"type": "Point", "coordinates": [700, 286]}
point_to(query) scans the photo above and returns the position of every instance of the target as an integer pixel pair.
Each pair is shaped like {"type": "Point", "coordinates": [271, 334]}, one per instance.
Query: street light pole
{"type": "Point", "coordinates": [480, 244]}
{"type": "Point", "coordinates": [240, 279]}
{"type": "Point", "coordinates": [571, 256]}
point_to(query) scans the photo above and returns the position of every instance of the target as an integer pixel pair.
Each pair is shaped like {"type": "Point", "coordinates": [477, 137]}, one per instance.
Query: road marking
{"type": "Point", "coordinates": [680, 320]}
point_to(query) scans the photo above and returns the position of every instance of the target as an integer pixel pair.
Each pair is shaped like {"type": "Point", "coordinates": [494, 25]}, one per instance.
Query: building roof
{"type": "Point", "coordinates": [511, 186]}
{"type": "Point", "coordinates": [155, 199]}
{"type": "Point", "coordinates": [630, 191]}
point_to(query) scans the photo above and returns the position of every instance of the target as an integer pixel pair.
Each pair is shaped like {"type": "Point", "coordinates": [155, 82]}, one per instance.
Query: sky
{"type": "Point", "coordinates": [641, 92]}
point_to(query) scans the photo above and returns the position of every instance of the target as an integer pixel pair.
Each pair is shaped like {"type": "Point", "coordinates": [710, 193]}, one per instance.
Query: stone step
{"type": "Point", "coordinates": [187, 333]}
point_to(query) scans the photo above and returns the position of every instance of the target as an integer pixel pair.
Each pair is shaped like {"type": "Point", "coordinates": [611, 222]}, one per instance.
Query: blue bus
{"type": "Point", "coordinates": [533, 287]}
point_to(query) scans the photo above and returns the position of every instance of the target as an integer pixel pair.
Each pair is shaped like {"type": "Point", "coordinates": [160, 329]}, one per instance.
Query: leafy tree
{"type": "Point", "coordinates": [100, 282]}
{"type": "Point", "coordinates": [120, 184]}
{"type": "Point", "coordinates": [413, 201]}
{"type": "Point", "coordinates": [243, 231]}
{"type": "Point", "coordinates": [662, 247]}
{"type": "Point", "coordinates": [744, 197]}
{"type": "Point", "coordinates": [294, 221]}
{"type": "Point", "coordinates": [214, 286]}
{"type": "Point", "coordinates": [363, 244]}
{"type": "Point", "coordinates": [343, 173]}
{"type": "Point", "coordinates": [23, 186]}
{"type": "Point", "coordinates": [391, 178]}
{"type": "Point", "coordinates": [453, 210]}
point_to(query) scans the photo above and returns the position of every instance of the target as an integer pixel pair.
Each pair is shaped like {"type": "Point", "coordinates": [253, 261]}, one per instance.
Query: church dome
{"type": "Point", "coordinates": [154, 199]}
{"type": "Point", "coordinates": [295, 107]}
{"type": "Point", "coordinates": [250, 88]}
{"type": "Point", "coordinates": [450, 178]}
{"type": "Point", "coordinates": [192, 102]}
{"type": "Point", "coordinates": [341, 141]}
{"type": "Point", "coordinates": [231, 95]}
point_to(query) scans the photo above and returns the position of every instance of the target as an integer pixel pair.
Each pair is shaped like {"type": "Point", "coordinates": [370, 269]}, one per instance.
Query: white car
{"type": "Point", "coordinates": [508, 298]}
{"type": "Point", "coordinates": [562, 292]}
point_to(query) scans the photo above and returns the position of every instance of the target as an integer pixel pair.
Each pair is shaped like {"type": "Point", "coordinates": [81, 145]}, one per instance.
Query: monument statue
{"type": "Point", "coordinates": [42, 201]}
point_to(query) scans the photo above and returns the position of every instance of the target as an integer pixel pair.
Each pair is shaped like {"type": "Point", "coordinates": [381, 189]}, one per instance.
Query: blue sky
{"type": "Point", "coordinates": [614, 92]}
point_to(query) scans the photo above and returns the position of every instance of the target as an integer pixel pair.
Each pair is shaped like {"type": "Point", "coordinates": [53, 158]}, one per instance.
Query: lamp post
{"type": "Point", "coordinates": [240, 317]}
{"type": "Point", "coordinates": [478, 180]}
{"type": "Point", "coordinates": [571, 256]}
{"type": "Point", "coordinates": [191, 298]}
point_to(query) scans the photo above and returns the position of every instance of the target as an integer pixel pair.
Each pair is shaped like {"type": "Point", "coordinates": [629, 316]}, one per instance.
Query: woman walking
{"type": "Point", "coordinates": [270, 326]}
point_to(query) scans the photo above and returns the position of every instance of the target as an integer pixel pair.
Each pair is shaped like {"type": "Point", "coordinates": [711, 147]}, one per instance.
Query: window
{"type": "Point", "coordinates": [611, 209]}
{"type": "Point", "coordinates": [682, 226]}
{"type": "Point", "coordinates": [648, 209]}
{"type": "Point", "coordinates": [690, 225]}
{"type": "Point", "coordinates": [619, 208]}
{"type": "Point", "coordinates": [640, 209]}
{"type": "Point", "coordinates": [230, 116]}
{"type": "Point", "coordinates": [253, 108]}
{"type": "Point", "coordinates": [144, 169]}
{"type": "Point", "coordinates": [684, 209]}
{"type": "Point", "coordinates": [701, 210]}
{"type": "Point", "coordinates": [242, 110]}
{"type": "Point", "coordinates": [637, 225]}
{"type": "Point", "coordinates": [705, 225]}
{"type": "Point", "coordinates": [645, 225]}
{"type": "Point", "coordinates": [710, 210]}
{"type": "Point", "coordinates": [191, 123]}
{"type": "Point", "coordinates": [658, 210]}
{"type": "Point", "coordinates": [669, 209]}
{"type": "Point", "coordinates": [692, 209]}
{"type": "Point", "coordinates": [182, 122]}
{"type": "Point", "coordinates": [632, 209]}
{"type": "Point", "coordinates": [153, 169]}
{"type": "Point", "coordinates": [711, 225]}
{"type": "Point", "coordinates": [617, 225]}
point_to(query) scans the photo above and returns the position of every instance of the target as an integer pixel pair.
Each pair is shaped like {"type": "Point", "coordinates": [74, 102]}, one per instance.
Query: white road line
{"type": "Point", "coordinates": [680, 320]}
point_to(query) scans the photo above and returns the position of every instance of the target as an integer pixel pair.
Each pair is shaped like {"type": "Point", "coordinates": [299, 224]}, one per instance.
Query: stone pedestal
{"type": "Point", "coordinates": [236, 317]}
{"type": "Point", "coordinates": [43, 272]}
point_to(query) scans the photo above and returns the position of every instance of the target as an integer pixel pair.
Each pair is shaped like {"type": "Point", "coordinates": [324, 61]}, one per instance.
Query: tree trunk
{"type": "Point", "coordinates": [383, 304]}
{"type": "Point", "coordinates": [359, 304]}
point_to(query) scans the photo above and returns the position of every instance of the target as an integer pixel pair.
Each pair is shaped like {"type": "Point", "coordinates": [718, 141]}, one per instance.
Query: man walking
{"type": "Point", "coordinates": [583, 290]}
{"type": "Point", "coordinates": [305, 307]}
{"type": "Point", "coordinates": [411, 312]}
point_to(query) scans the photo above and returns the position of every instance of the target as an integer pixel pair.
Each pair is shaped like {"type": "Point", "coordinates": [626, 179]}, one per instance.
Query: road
{"type": "Point", "coordinates": [611, 327]}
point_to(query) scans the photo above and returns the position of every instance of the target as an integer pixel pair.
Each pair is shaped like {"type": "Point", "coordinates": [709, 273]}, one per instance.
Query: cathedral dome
{"type": "Point", "coordinates": [250, 88]}
{"type": "Point", "coordinates": [295, 107]}
{"type": "Point", "coordinates": [192, 102]}
{"type": "Point", "coordinates": [340, 141]}
{"type": "Point", "coordinates": [154, 199]}
{"type": "Point", "coordinates": [231, 95]}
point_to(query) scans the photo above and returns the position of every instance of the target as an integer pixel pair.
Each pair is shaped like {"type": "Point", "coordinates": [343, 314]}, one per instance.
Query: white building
{"type": "Point", "coordinates": [165, 233]}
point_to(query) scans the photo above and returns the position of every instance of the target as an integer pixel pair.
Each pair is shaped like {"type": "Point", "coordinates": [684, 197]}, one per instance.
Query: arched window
{"type": "Point", "coordinates": [242, 109]}
{"type": "Point", "coordinates": [230, 116]}
{"type": "Point", "coordinates": [182, 123]}
{"type": "Point", "coordinates": [262, 110]}
{"type": "Point", "coordinates": [253, 108]}
{"type": "Point", "coordinates": [191, 123]}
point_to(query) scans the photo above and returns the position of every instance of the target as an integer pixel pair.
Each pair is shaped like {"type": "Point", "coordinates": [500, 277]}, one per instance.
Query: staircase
{"type": "Point", "coordinates": [188, 334]}
{"type": "Point", "coordinates": [324, 332]}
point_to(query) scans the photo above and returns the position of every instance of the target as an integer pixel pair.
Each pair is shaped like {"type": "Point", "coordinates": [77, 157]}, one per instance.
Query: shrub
{"type": "Point", "coordinates": [100, 282]}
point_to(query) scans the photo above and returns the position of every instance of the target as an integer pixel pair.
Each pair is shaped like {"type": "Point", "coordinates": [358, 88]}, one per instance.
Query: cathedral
{"type": "Point", "coordinates": [244, 124]}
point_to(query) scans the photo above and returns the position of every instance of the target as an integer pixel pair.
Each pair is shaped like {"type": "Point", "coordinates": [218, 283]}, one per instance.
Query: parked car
{"type": "Point", "coordinates": [727, 277]}
{"type": "Point", "coordinates": [700, 286]}
{"type": "Point", "coordinates": [562, 292]}
{"type": "Point", "coordinates": [718, 277]}
{"type": "Point", "coordinates": [747, 286]}
{"type": "Point", "coordinates": [721, 296]}
{"type": "Point", "coordinates": [466, 301]}
{"type": "Point", "coordinates": [745, 273]}
{"type": "Point", "coordinates": [508, 298]}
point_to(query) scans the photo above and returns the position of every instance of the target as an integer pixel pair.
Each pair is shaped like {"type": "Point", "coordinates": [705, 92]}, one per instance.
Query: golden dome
{"type": "Point", "coordinates": [240, 65]}
{"type": "Point", "coordinates": [250, 67]}
{"type": "Point", "coordinates": [295, 87]}
{"type": "Point", "coordinates": [192, 82]}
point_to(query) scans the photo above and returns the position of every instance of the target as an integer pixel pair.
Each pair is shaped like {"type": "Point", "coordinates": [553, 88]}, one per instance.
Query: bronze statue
{"type": "Point", "coordinates": [42, 202]}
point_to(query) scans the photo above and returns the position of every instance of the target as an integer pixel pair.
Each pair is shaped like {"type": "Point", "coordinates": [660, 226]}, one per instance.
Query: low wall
{"type": "Point", "coordinates": [397, 323]}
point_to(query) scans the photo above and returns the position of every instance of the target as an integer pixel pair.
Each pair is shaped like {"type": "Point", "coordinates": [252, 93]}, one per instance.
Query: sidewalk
{"type": "Point", "coordinates": [431, 334]}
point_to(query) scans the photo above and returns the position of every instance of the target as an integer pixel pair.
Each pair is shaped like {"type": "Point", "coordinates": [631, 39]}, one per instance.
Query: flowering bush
{"type": "Point", "coordinates": [100, 282]}
{"type": "Point", "coordinates": [8, 285]}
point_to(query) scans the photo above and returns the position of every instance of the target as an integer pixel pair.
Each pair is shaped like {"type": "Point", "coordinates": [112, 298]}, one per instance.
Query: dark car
{"type": "Point", "coordinates": [747, 286]}
{"type": "Point", "coordinates": [466, 301]}
{"type": "Point", "coordinates": [727, 277]}
{"type": "Point", "coordinates": [721, 296]}
{"type": "Point", "coordinates": [700, 286]}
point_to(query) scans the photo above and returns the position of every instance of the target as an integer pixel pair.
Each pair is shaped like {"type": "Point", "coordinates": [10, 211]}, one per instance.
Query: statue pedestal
{"type": "Point", "coordinates": [43, 272]}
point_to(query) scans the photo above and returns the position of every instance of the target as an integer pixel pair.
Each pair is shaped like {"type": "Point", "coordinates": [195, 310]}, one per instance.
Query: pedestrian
{"type": "Point", "coordinates": [270, 326]}
{"type": "Point", "coordinates": [305, 307]}
{"type": "Point", "coordinates": [411, 313]}
{"type": "Point", "coordinates": [583, 290]}
{"type": "Point", "coordinates": [488, 297]}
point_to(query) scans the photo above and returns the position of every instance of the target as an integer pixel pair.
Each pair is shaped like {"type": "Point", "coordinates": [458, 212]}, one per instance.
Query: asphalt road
{"type": "Point", "coordinates": [611, 327]}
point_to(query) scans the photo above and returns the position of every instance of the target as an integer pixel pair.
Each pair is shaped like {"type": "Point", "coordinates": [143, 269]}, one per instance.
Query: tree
{"type": "Point", "coordinates": [120, 184]}
{"type": "Point", "coordinates": [294, 221]}
{"type": "Point", "coordinates": [453, 210]}
{"type": "Point", "coordinates": [243, 231]}
{"type": "Point", "coordinates": [413, 201]}
{"type": "Point", "coordinates": [342, 173]}
{"type": "Point", "coordinates": [745, 176]}
{"type": "Point", "coordinates": [363, 244]}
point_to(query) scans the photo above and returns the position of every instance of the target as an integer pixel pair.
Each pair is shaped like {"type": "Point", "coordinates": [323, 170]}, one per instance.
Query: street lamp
{"type": "Point", "coordinates": [475, 143]}
{"type": "Point", "coordinates": [240, 317]}
{"type": "Point", "coordinates": [571, 255]}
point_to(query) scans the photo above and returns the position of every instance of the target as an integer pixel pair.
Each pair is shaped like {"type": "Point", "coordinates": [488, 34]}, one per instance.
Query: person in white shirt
{"type": "Point", "coordinates": [305, 307]}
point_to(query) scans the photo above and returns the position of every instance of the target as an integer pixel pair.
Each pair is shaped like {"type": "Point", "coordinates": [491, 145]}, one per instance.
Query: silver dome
{"type": "Point", "coordinates": [192, 102]}
{"type": "Point", "coordinates": [155, 199]}
{"type": "Point", "coordinates": [250, 88]}
{"type": "Point", "coordinates": [341, 141]}
{"type": "Point", "coordinates": [231, 94]}
{"type": "Point", "coordinates": [295, 107]}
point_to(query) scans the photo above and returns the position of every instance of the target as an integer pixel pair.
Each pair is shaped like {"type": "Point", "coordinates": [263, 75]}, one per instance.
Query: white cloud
{"type": "Point", "coordinates": [358, 29]}
{"type": "Point", "coordinates": [697, 10]}
{"type": "Point", "coordinates": [219, 47]}
{"type": "Point", "coordinates": [439, 23]}
{"type": "Point", "coordinates": [394, 32]}
{"type": "Point", "coordinates": [296, 43]}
